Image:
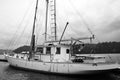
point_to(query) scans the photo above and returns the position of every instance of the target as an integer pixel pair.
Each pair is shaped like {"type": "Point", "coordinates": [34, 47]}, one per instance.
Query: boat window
{"type": "Point", "coordinates": [39, 49]}
{"type": "Point", "coordinates": [58, 50]}
{"type": "Point", "coordinates": [67, 51]}
{"type": "Point", "coordinates": [11, 54]}
{"type": "Point", "coordinates": [48, 50]}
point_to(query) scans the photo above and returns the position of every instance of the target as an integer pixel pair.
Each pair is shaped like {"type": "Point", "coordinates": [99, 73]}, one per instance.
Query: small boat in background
{"type": "Point", "coordinates": [2, 57]}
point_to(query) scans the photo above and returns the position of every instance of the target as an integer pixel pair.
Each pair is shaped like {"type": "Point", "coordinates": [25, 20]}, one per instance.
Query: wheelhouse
{"type": "Point", "coordinates": [54, 53]}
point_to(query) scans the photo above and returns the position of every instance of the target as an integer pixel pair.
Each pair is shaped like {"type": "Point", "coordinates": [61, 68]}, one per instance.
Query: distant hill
{"type": "Point", "coordinates": [4, 50]}
{"type": "Point", "coordinates": [22, 48]}
{"type": "Point", "coordinates": [108, 47]}
{"type": "Point", "coordinates": [104, 47]}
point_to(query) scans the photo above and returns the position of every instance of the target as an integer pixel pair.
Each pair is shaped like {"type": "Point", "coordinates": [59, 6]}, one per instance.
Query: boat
{"type": "Point", "coordinates": [2, 57]}
{"type": "Point", "coordinates": [57, 56]}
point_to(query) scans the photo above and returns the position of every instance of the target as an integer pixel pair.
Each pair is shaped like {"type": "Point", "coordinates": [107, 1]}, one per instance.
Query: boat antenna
{"type": "Point", "coordinates": [32, 44]}
{"type": "Point", "coordinates": [63, 31]}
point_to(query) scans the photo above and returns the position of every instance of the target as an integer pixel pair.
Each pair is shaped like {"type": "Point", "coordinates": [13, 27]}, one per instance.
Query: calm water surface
{"type": "Point", "coordinates": [8, 73]}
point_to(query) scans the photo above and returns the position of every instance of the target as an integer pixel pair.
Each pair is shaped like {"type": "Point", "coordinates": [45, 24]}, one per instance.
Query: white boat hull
{"type": "Point", "coordinates": [2, 58]}
{"type": "Point", "coordinates": [60, 67]}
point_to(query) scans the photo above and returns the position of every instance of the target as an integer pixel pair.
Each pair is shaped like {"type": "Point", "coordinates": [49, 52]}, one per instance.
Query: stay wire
{"type": "Point", "coordinates": [13, 40]}
{"type": "Point", "coordinates": [39, 28]}
{"type": "Point", "coordinates": [84, 22]}
{"type": "Point", "coordinates": [22, 33]}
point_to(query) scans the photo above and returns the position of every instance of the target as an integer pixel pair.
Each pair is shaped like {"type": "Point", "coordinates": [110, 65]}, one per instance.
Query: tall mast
{"type": "Point", "coordinates": [32, 44]}
{"type": "Point", "coordinates": [47, 1]}
{"type": "Point", "coordinates": [53, 20]}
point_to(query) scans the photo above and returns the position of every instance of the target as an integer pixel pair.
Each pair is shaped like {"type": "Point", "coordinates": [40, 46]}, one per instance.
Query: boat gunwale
{"type": "Point", "coordinates": [67, 62]}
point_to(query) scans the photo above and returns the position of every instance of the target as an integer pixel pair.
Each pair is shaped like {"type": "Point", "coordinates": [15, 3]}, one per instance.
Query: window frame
{"type": "Point", "coordinates": [67, 51]}
{"type": "Point", "coordinates": [58, 50]}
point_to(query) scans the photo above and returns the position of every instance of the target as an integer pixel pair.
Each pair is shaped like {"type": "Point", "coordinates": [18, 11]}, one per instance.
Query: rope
{"type": "Point", "coordinates": [20, 36]}
{"type": "Point", "coordinates": [39, 29]}
{"type": "Point", "coordinates": [84, 22]}
{"type": "Point", "coordinates": [13, 40]}
{"type": "Point", "coordinates": [81, 17]}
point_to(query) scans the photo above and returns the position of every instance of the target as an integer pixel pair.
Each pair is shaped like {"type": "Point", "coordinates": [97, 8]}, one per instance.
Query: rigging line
{"type": "Point", "coordinates": [22, 33]}
{"type": "Point", "coordinates": [37, 35]}
{"type": "Point", "coordinates": [24, 30]}
{"type": "Point", "coordinates": [39, 28]}
{"type": "Point", "coordinates": [19, 36]}
{"type": "Point", "coordinates": [37, 25]}
{"type": "Point", "coordinates": [81, 17]}
{"type": "Point", "coordinates": [83, 20]}
{"type": "Point", "coordinates": [14, 37]}
{"type": "Point", "coordinates": [61, 22]}
{"type": "Point", "coordinates": [28, 40]}
{"type": "Point", "coordinates": [15, 34]}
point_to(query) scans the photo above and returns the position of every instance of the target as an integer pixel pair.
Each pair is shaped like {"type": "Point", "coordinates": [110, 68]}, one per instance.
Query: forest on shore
{"type": "Point", "coordinates": [99, 48]}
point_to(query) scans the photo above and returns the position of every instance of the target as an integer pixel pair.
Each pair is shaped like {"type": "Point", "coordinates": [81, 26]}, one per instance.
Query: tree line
{"type": "Point", "coordinates": [99, 48]}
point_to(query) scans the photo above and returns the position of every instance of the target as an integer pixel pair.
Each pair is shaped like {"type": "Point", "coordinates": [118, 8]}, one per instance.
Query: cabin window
{"type": "Point", "coordinates": [39, 49]}
{"type": "Point", "coordinates": [67, 51]}
{"type": "Point", "coordinates": [48, 50]}
{"type": "Point", "coordinates": [58, 50]}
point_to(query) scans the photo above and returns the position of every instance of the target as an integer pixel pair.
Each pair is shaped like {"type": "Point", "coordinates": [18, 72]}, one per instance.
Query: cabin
{"type": "Point", "coordinates": [53, 52]}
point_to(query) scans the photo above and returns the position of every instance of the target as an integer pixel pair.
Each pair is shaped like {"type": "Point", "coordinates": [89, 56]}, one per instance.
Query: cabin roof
{"type": "Point", "coordinates": [54, 45]}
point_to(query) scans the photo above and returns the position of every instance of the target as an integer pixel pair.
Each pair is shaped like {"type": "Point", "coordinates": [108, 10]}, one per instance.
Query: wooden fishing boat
{"type": "Point", "coordinates": [56, 56]}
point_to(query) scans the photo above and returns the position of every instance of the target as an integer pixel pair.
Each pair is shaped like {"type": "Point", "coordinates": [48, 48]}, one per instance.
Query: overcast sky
{"type": "Point", "coordinates": [101, 16]}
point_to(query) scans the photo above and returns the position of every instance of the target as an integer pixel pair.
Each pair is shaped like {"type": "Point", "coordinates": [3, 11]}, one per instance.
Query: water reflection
{"type": "Point", "coordinates": [8, 73]}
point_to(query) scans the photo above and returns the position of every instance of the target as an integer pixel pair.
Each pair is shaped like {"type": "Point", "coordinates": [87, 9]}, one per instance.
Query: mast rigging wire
{"type": "Point", "coordinates": [39, 19]}
{"type": "Point", "coordinates": [84, 22]}
{"type": "Point", "coordinates": [14, 39]}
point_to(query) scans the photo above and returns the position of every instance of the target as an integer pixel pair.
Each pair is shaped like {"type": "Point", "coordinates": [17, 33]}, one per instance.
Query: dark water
{"type": "Point", "coordinates": [8, 73]}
